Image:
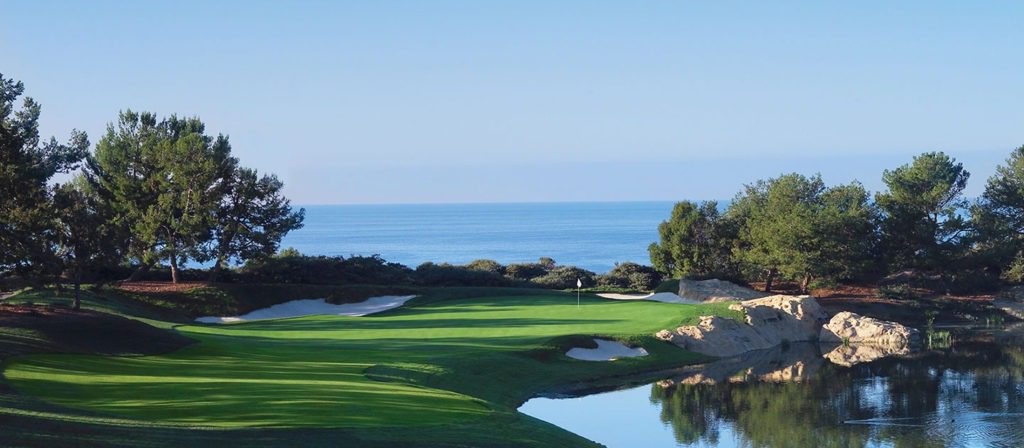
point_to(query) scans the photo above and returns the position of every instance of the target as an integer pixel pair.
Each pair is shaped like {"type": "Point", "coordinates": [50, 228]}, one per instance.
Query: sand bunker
{"type": "Point", "coordinates": [309, 307]}
{"type": "Point", "coordinates": [666, 297]}
{"type": "Point", "coordinates": [606, 351]}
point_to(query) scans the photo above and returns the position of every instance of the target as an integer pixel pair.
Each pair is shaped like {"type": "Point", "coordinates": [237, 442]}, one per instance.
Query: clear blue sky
{"type": "Point", "coordinates": [437, 101]}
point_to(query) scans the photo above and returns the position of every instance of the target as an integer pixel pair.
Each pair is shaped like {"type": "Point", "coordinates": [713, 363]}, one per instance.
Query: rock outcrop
{"type": "Point", "coordinates": [768, 322]}
{"type": "Point", "coordinates": [715, 290]}
{"type": "Point", "coordinates": [774, 320]}
{"type": "Point", "coordinates": [853, 329]}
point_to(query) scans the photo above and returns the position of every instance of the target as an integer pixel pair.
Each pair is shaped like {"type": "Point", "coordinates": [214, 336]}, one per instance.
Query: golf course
{"type": "Point", "coordinates": [448, 368]}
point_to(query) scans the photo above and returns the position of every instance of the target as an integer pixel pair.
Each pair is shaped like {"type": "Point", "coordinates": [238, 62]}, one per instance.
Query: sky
{"type": "Point", "coordinates": [520, 101]}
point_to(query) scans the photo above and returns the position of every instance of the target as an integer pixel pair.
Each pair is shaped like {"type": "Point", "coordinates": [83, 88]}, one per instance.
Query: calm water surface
{"type": "Point", "coordinates": [591, 235]}
{"type": "Point", "coordinates": [968, 393]}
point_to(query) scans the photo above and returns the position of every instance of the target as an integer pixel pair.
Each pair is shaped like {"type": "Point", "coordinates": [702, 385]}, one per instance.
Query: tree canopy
{"type": "Point", "coordinates": [692, 242]}
{"type": "Point", "coordinates": [922, 209]}
{"type": "Point", "coordinates": [27, 164]}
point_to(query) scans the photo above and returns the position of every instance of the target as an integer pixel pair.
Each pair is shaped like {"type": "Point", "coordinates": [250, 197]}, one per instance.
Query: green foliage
{"type": "Point", "coordinates": [923, 225]}
{"type": "Point", "coordinates": [252, 217]}
{"type": "Point", "coordinates": [177, 194]}
{"type": "Point", "coordinates": [444, 274]}
{"type": "Point", "coordinates": [694, 242]}
{"type": "Point", "coordinates": [998, 219]}
{"type": "Point", "coordinates": [796, 227]}
{"type": "Point", "coordinates": [84, 237]}
{"type": "Point", "coordinates": [486, 266]}
{"type": "Point", "coordinates": [900, 291]}
{"type": "Point", "coordinates": [27, 164]}
{"type": "Point", "coordinates": [631, 276]}
{"type": "Point", "coordinates": [526, 271]}
{"type": "Point", "coordinates": [564, 277]}
{"type": "Point", "coordinates": [291, 267]}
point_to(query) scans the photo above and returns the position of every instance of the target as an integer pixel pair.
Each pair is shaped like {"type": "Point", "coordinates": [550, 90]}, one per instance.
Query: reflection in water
{"type": "Point", "coordinates": [969, 394]}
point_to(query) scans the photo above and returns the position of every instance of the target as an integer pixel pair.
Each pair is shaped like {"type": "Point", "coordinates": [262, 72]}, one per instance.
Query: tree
{"type": "Point", "coordinates": [847, 233]}
{"type": "Point", "coordinates": [922, 225]}
{"type": "Point", "coordinates": [188, 185]}
{"type": "Point", "coordinates": [692, 243]}
{"type": "Point", "coordinates": [251, 219]}
{"type": "Point", "coordinates": [26, 167]}
{"type": "Point", "coordinates": [165, 181]}
{"type": "Point", "coordinates": [84, 236]}
{"type": "Point", "coordinates": [794, 227]}
{"type": "Point", "coordinates": [120, 171]}
{"type": "Point", "coordinates": [778, 232]}
{"type": "Point", "coordinates": [998, 218]}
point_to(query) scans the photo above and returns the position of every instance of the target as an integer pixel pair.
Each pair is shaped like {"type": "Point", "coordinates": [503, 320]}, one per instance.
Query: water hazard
{"type": "Point", "coordinates": [967, 390]}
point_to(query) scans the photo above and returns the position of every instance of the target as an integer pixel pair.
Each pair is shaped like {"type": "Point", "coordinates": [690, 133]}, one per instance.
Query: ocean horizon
{"type": "Point", "coordinates": [591, 235]}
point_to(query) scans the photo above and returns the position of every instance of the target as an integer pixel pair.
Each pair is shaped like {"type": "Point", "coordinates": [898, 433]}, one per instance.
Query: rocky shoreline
{"type": "Point", "coordinates": [780, 319]}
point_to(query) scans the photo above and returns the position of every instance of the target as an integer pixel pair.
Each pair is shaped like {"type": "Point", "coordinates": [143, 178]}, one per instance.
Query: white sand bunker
{"type": "Point", "coordinates": [666, 297]}
{"type": "Point", "coordinates": [309, 307]}
{"type": "Point", "coordinates": [606, 351]}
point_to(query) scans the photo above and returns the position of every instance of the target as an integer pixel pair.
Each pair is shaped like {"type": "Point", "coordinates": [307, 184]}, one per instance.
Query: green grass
{"type": "Point", "coordinates": [448, 370]}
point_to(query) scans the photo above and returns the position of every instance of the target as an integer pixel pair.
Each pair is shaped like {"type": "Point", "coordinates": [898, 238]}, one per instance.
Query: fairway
{"type": "Point", "coordinates": [435, 363]}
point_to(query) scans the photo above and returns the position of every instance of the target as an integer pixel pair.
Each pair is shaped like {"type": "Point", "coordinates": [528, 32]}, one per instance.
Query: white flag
{"type": "Point", "coordinates": [579, 283]}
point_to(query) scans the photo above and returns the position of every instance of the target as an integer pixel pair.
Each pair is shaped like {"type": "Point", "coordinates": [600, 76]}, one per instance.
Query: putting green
{"type": "Point", "coordinates": [437, 363]}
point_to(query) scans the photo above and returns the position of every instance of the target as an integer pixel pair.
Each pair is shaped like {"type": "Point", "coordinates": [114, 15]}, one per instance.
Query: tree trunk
{"type": "Point", "coordinates": [174, 260]}
{"type": "Point", "coordinates": [806, 283]}
{"type": "Point", "coordinates": [77, 305]}
{"type": "Point", "coordinates": [174, 267]}
{"type": "Point", "coordinates": [225, 241]}
{"type": "Point", "coordinates": [769, 280]}
{"type": "Point", "coordinates": [142, 270]}
{"type": "Point", "coordinates": [215, 270]}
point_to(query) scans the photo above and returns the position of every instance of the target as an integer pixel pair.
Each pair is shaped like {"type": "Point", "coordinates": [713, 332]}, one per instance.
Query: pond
{"type": "Point", "coordinates": [965, 389]}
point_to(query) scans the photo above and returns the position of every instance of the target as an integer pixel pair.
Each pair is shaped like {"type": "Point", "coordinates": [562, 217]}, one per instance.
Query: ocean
{"type": "Point", "coordinates": [591, 235]}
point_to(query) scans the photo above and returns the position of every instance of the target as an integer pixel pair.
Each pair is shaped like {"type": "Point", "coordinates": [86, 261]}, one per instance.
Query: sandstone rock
{"type": "Point", "coordinates": [784, 318]}
{"type": "Point", "coordinates": [715, 290]}
{"type": "Point", "coordinates": [854, 329]}
{"type": "Point", "coordinates": [769, 321]}
{"type": "Point", "coordinates": [719, 336]}
{"type": "Point", "coordinates": [665, 335]}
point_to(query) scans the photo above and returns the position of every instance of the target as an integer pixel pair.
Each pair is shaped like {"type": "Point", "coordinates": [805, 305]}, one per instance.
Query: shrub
{"type": "Point", "coordinates": [632, 276]}
{"type": "Point", "coordinates": [564, 277]}
{"type": "Point", "coordinates": [897, 292]}
{"type": "Point", "coordinates": [525, 271]}
{"type": "Point", "coordinates": [431, 274]}
{"type": "Point", "coordinates": [291, 267]}
{"type": "Point", "coordinates": [486, 266]}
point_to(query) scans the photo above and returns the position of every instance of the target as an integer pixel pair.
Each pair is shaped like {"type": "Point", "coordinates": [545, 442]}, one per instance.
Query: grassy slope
{"type": "Point", "coordinates": [447, 371]}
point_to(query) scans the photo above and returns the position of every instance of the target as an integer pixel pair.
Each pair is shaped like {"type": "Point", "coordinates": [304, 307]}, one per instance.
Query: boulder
{"type": "Point", "coordinates": [715, 290]}
{"type": "Point", "coordinates": [768, 322]}
{"type": "Point", "coordinates": [853, 329]}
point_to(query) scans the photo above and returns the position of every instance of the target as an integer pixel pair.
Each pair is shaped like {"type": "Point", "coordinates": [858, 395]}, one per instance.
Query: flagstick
{"type": "Point", "coordinates": [579, 283]}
